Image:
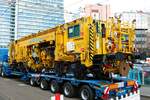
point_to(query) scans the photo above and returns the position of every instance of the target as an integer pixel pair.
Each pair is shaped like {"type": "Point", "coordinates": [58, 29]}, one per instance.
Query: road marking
{"type": "Point", "coordinates": [5, 79]}
{"type": "Point", "coordinates": [22, 85]}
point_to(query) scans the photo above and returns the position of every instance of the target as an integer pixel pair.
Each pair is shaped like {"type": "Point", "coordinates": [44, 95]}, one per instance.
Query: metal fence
{"type": "Point", "coordinates": [141, 74]}
{"type": "Point", "coordinates": [146, 74]}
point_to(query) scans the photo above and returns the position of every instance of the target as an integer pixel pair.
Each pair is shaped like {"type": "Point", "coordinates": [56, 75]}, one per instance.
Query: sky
{"type": "Point", "coordinates": [116, 5]}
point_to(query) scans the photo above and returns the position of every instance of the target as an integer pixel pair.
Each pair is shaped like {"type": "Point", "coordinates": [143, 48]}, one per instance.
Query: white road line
{"type": "Point", "coordinates": [22, 85]}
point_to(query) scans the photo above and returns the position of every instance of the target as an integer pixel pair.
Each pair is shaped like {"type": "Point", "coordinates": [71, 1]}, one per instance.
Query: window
{"type": "Point", "coordinates": [74, 31]}
{"type": "Point", "coordinates": [103, 29]}
{"type": "Point", "coordinates": [98, 27]}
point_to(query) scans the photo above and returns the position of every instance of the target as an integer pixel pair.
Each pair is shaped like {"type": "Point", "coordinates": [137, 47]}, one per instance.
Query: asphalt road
{"type": "Point", "coordinates": [12, 89]}
{"type": "Point", "coordinates": [145, 98]}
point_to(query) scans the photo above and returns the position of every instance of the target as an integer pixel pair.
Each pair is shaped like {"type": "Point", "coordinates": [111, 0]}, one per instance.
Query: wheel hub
{"type": "Point", "coordinates": [31, 81]}
{"type": "Point", "coordinates": [53, 87]}
{"type": "Point", "coordinates": [84, 94]}
{"type": "Point", "coordinates": [42, 86]}
{"type": "Point", "coordinates": [2, 73]}
{"type": "Point", "coordinates": [67, 90]}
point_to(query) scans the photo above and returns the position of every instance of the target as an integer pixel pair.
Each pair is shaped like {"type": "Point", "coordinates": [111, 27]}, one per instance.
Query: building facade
{"type": "Point", "coordinates": [35, 15]}
{"type": "Point", "coordinates": [84, 9]}
{"type": "Point", "coordinates": [142, 28]}
{"type": "Point", "coordinates": [97, 11]}
{"type": "Point", "coordinates": [7, 21]}
{"type": "Point", "coordinates": [148, 42]}
{"type": "Point", "coordinates": [30, 16]}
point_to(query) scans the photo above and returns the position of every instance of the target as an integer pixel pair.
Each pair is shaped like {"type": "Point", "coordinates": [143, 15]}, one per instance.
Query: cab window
{"type": "Point", "coordinates": [74, 31]}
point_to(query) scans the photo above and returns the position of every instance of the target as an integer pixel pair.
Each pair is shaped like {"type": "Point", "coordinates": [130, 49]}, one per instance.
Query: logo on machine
{"type": "Point", "coordinates": [36, 40]}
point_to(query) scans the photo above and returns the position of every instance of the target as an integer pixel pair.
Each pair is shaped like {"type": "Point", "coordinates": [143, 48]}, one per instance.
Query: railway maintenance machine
{"type": "Point", "coordinates": [86, 55]}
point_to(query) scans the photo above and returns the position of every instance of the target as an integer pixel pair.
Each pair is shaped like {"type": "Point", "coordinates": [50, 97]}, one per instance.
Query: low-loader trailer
{"type": "Point", "coordinates": [85, 57]}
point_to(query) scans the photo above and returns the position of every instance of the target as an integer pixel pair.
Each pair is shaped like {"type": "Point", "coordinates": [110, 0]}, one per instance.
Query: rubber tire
{"type": "Point", "coordinates": [2, 74]}
{"type": "Point", "coordinates": [88, 90]}
{"type": "Point", "coordinates": [44, 84]}
{"type": "Point", "coordinates": [71, 91]}
{"type": "Point", "coordinates": [32, 82]}
{"type": "Point", "coordinates": [54, 86]}
{"type": "Point", "coordinates": [0, 70]}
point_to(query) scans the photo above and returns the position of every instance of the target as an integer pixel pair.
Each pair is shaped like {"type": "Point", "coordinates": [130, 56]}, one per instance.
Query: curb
{"type": "Point", "coordinates": [146, 96]}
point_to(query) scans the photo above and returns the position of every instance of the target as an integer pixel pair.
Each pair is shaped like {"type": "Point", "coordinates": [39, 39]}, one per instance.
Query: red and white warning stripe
{"type": "Point", "coordinates": [106, 94]}
{"type": "Point", "coordinates": [106, 91]}
{"type": "Point", "coordinates": [136, 85]}
{"type": "Point", "coordinates": [57, 97]}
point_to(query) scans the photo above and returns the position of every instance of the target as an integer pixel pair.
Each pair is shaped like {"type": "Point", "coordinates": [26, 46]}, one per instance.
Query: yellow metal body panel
{"type": "Point", "coordinates": [83, 47]}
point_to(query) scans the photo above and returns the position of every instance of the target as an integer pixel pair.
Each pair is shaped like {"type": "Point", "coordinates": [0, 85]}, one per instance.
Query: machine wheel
{"type": "Point", "coordinates": [86, 93]}
{"type": "Point", "coordinates": [32, 82]}
{"type": "Point", "coordinates": [43, 84]}
{"type": "Point", "coordinates": [54, 86]}
{"type": "Point", "coordinates": [68, 90]}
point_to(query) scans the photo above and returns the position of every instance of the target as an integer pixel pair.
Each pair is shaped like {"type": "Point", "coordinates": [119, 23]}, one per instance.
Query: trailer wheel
{"type": "Point", "coordinates": [68, 90]}
{"type": "Point", "coordinates": [2, 73]}
{"type": "Point", "coordinates": [86, 93]}
{"type": "Point", "coordinates": [54, 86]}
{"type": "Point", "coordinates": [32, 82]}
{"type": "Point", "coordinates": [43, 84]}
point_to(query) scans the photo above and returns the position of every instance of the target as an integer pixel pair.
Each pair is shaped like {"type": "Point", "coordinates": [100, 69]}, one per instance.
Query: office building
{"type": "Point", "coordinates": [142, 28]}
{"type": "Point", "coordinates": [97, 11]}
{"type": "Point", "coordinates": [35, 15]}
{"type": "Point", "coordinates": [84, 9]}
{"type": "Point", "coordinates": [19, 18]}
{"type": "Point", "coordinates": [7, 23]}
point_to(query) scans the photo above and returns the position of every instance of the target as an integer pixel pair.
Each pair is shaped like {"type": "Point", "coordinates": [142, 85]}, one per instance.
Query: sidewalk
{"type": "Point", "coordinates": [145, 91]}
